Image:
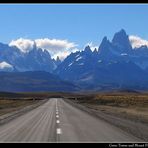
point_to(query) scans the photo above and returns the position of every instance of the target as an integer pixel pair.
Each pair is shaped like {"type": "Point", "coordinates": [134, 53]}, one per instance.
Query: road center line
{"type": "Point", "coordinates": [57, 116]}
{"type": "Point", "coordinates": [58, 121]}
{"type": "Point", "coordinates": [59, 131]}
{"type": "Point", "coordinates": [56, 104]}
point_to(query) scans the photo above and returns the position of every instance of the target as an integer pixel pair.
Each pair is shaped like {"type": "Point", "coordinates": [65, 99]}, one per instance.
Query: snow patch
{"type": "Point", "coordinates": [81, 64]}
{"type": "Point", "coordinates": [78, 58]}
{"type": "Point", "coordinates": [100, 61]}
{"type": "Point", "coordinates": [123, 54]}
{"type": "Point", "coordinates": [70, 64]}
{"type": "Point", "coordinates": [5, 65]}
{"type": "Point", "coordinates": [89, 78]}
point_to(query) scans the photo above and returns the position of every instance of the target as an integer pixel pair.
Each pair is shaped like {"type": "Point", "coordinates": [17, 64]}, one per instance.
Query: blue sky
{"type": "Point", "coordinates": [78, 23]}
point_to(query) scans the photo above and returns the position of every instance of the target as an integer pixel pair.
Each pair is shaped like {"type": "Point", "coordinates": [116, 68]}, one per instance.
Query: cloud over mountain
{"type": "Point", "coordinates": [63, 54]}
{"type": "Point", "coordinates": [25, 45]}
{"type": "Point", "coordinates": [92, 46]}
{"type": "Point", "coordinates": [137, 42]}
{"type": "Point", "coordinates": [112, 65]}
{"type": "Point", "coordinates": [55, 47]}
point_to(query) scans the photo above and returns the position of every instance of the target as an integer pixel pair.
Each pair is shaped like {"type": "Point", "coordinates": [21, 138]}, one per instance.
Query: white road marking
{"type": "Point", "coordinates": [56, 103]}
{"type": "Point", "coordinates": [57, 107]}
{"type": "Point", "coordinates": [59, 131]}
{"type": "Point", "coordinates": [57, 116]}
{"type": "Point", "coordinates": [58, 121]}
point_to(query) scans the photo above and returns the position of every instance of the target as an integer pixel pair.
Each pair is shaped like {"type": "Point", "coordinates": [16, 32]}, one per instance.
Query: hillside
{"type": "Point", "coordinates": [33, 81]}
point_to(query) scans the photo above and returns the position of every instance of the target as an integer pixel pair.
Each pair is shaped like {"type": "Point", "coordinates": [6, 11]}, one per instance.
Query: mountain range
{"type": "Point", "coordinates": [114, 65]}
{"type": "Point", "coordinates": [13, 59]}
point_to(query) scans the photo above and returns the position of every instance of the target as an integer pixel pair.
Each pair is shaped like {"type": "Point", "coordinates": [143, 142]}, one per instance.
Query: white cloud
{"type": "Point", "coordinates": [25, 45]}
{"type": "Point", "coordinates": [137, 42]}
{"type": "Point", "coordinates": [54, 44]}
{"type": "Point", "coordinates": [63, 54]}
{"type": "Point", "coordinates": [92, 46]}
{"type": "Point", "coordinates": [55, 47]}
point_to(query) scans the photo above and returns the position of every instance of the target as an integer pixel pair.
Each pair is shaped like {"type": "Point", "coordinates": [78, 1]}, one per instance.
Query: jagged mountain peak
{"type": "Point", "coordinates": [121, 33]}
{"type": "Point", "coordinates": [87, 49]}
{"type": "Point", "coordinates": [58, 61]}
{"type": "Point", "coordinates": [95, 50]}
{"type": "Point", "coordinates": [121, 40]}
{"type": "Point", "coordinates": [35, 59]}
{"type": "Point", "coordinates": [104, 48]}
{"type": "Point", "coordinates": [105, 39]}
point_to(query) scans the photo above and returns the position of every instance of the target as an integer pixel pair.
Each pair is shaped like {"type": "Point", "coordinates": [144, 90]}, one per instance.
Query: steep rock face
{"type": "Point", "coordinates": [34, 60]}
{"type": "Point", "coordinates": [114, 65]}
{"type": "Point", "coordinates": [77, 64]}
{"type": "Point", "coordinates": [121, 42]}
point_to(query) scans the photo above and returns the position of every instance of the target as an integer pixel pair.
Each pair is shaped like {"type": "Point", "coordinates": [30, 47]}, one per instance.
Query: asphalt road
{"type": "Point", "coordinates": [58, 121]}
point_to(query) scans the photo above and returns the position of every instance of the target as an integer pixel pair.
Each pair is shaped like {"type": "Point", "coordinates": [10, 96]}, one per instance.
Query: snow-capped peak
{"type": "Point", "coordinates": [4, 66]}
{"type": "Point", "coordinates": [25, 45]}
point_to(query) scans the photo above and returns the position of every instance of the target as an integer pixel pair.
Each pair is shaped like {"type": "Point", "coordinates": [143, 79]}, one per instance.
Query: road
{"type": "Point", "coordinates": [58, 121]}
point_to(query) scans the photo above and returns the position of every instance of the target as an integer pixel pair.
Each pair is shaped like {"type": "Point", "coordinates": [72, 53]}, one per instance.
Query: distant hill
{"type": "Point", "coordinates": [37, 81]}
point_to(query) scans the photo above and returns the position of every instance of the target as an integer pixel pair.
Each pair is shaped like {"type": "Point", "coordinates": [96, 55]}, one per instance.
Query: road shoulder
{"type": "Point", "coordinates": [138, 129]}
{"type": "Point", "coordinates": [10, 116]}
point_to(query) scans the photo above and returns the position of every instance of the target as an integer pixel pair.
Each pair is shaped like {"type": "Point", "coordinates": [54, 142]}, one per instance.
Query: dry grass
{"type": "Point", "coordinates": [129, 105]}
{"type": "Point", "coordinates": [118, 100]}
{"type": "Point", "coordinates": [125, 100]}
{"type": "Point", "coordinates": [10, 102]}
{"type": "Point", "coordinates": [132, 106]}
{"type": "Point", "coordinates": [9, 105]}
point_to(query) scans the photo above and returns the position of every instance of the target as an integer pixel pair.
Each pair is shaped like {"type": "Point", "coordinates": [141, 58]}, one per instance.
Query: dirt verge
{"type": "Point", "coordinates": [12, 115]}
{"type": "Point", "coordinates": [134, 127]}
